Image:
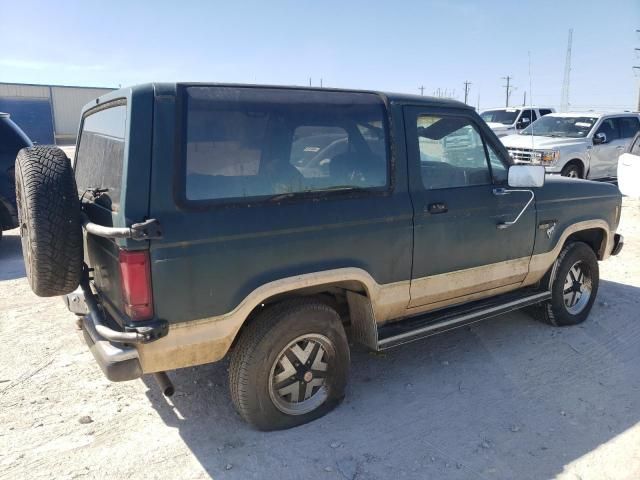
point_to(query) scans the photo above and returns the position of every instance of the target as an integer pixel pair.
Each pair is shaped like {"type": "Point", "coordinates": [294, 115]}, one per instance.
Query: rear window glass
{"type": "Point", "coordinates": [101, 154]}
{"type": "Point", "coordinates": [250, 142]}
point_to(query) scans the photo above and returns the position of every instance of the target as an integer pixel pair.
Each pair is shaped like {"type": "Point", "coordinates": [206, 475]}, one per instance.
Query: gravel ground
{"type": "Point", "coordinates": [507, 398]}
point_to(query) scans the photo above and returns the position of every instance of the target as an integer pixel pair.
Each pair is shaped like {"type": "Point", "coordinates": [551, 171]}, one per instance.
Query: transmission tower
{"type": "Point", "coordinates": [564, 97]}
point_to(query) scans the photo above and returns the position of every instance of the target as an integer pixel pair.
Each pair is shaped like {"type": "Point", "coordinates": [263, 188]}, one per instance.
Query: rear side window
{"type": "Point", "coordinates": [255, 142]}
{"type": "Point", "coordinates": [629, 126]}
{"type": "Point", "coordinates": [101, 155]}
{"type": "Point", "coordinates": [544, 111]}
{"type": "Point", "coordinates": [635, 148]}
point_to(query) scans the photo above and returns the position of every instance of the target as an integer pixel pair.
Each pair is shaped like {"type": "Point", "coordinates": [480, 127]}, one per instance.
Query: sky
{"type": "Point", "coordinates": [391, 46]}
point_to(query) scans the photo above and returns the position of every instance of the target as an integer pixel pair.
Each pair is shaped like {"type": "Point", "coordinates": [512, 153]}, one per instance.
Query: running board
{"type": "Point", "coordinates": [415, 328]}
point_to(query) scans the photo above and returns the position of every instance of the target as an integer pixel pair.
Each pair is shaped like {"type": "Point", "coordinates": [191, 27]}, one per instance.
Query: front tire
{"type": "Point", "coordinates": [572, 170]}
{"type": "Point", "coordinates": [290, 365]}
{"type": "Point", "coordinates": [574, 286]}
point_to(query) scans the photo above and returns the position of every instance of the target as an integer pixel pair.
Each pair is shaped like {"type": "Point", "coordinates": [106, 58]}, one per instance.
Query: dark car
{"type": "Point", "coordinates": [271, 224]}
{"type": "Point", "coordinates": [12, 139]}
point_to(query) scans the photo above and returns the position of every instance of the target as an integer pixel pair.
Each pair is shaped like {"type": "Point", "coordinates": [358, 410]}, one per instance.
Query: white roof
{"type": "Point", "coordinates": [593, 114]}
{"type": "Point", "coordinates": [517, 108]}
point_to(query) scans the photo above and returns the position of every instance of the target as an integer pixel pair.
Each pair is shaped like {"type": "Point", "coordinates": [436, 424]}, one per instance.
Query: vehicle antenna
{"type": "Point", "coordinates": [564, 100]}
{"type": "Point", "coordinates": [530, 96]}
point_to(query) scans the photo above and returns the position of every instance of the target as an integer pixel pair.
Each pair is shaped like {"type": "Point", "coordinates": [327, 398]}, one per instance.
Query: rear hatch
{"type": "Point", "coordinates": [112, 176]}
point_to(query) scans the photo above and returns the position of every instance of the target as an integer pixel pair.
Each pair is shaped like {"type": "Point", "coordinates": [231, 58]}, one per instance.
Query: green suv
{"type": "Point", "coordinates": [272, 224]}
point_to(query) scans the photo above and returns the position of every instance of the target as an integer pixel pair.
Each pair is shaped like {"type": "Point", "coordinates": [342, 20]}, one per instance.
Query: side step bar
{"type": "Point", "coordinates": [415, 328]}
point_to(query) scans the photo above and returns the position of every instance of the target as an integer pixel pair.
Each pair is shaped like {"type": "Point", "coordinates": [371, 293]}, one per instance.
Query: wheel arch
{"type": "Point", "coordinates": [580, 162]}
{"type": "Point", "coordinates": [597, 238]}
{"type": "Point", "coordinates": [8, 215]}
{"type": "Point", "coordinates": [351, 293]}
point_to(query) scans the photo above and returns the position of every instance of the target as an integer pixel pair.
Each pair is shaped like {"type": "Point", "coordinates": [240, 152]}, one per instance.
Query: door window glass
{"type": "Point", "coordinates": [544, 111]}
{"type": "Point", "coordinates": [609, 127]}
{"type": "Point", "coordinates": [451, 153]}
{"type": "Point", "coordinates": [498, 168]}
{"type": "Point", "coordinates": [526, 119]}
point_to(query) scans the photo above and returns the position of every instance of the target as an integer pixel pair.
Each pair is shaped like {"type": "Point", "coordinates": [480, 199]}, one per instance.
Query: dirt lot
{"type": "Point", "coordinates": [508, 398]}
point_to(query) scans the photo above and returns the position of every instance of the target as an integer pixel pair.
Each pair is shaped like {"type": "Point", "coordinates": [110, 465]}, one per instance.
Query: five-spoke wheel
{"type": "Point", "coordinates": [290, 364]}
{"type": "Point", "coordinates": [573, 287]}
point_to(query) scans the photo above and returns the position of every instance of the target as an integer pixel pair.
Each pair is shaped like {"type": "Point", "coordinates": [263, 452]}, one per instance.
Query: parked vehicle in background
{"type": "Point", "coordinates": [12, 140]}
{"type": "Point", "coordinates": [266, 223]}
{"type": "Point", "coordinates": [629, 169]}
{"type": "Point", "coordinates": [507, 121]}
{"type": "Point", "coordinates": [580, 145]}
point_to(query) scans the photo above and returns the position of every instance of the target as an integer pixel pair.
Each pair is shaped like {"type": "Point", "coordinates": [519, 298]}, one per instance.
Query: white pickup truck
{"type": "Point", "coordinates": [507, 121]}
{"type": "Point", "coordinates": [581, 145]}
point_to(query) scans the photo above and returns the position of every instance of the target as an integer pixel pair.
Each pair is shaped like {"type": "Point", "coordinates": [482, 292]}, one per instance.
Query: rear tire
{"type": "Point", "coordinates": [290, 365]}
{"type": "Point", "coordinates": [574, 286]}
{"type": "Point", "coordinates": [49, 220]}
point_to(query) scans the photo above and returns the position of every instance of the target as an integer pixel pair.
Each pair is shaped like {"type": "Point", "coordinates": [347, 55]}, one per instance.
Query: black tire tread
{"type": "Point", "coordinates": [242, 354]}
{"type": "Point", "coordinates": [548, 314]}
{"type": "Point", "coordinates": [49, 208]}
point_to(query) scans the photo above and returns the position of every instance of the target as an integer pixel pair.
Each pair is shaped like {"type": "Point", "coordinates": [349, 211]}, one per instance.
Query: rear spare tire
{"type": "Point", "coordinates": [49, 220]}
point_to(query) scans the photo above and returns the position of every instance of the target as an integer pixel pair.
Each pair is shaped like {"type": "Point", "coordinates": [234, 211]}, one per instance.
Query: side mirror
{"type": "Point", "coordinates": [600, 138]}
{"type": "Point", "coordinates": [526, 176]}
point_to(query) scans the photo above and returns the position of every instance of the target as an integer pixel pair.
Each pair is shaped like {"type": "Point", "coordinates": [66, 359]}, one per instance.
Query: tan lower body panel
{"type": "Point", "coordinates": [208, 340]}
{"type": "Point", "coordinates": [450, 286]}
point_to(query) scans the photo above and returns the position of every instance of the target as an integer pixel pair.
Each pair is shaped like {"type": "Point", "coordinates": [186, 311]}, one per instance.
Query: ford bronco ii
{"type": "Point", "coordinates": [270, 224]}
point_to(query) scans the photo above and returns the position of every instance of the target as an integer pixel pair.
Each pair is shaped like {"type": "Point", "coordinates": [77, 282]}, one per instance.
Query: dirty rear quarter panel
{"type": "Point", "coordinates": [210, 259]}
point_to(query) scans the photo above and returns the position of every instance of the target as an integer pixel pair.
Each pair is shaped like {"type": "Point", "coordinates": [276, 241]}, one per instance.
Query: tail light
{"type": "Point", "coordinates": [135, 274]}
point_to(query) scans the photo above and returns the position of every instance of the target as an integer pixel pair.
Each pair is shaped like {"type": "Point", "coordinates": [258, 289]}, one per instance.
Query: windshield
{"type": "Point", "coordinates": [506, 116]}
{"type": "Point", "coordinates": [552, 126]}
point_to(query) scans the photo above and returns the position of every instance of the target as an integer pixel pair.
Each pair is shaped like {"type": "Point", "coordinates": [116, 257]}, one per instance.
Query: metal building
{"type": "Point", "coordinates": [47, 113]}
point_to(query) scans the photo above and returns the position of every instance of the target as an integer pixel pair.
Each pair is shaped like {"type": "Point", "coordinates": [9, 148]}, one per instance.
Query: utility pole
{"type": "Point", "coordinates": [421, 88]}
{"type": "Point", "coordinates": [467, 84]}
{"type": "Point", "coordinates": [320, 82]}
{"type": "Point", "coordinates": [309, 81]}
{"type": "Point", "coordinates": [508, 88]}
{"type": "Point", "coordinates": [564, 97]}
{"type": "Point", "coordinates": [524, 100]}
{"type": "Point", "coordinates": [636, 69]}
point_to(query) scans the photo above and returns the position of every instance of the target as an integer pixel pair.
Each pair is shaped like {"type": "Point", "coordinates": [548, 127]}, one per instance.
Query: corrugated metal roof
{"type": "Point", "coordinates": [23, 91]}
{"type": "Point", "coordinates": [67, 105]}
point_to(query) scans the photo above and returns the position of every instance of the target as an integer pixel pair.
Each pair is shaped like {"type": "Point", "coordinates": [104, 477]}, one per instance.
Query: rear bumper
{"type": "Point", "coordinates": [114, 350]}
{"type": "Point", "coordinates": [118, 362]}
{"type": "Point", "coordinates": [618, 243]}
